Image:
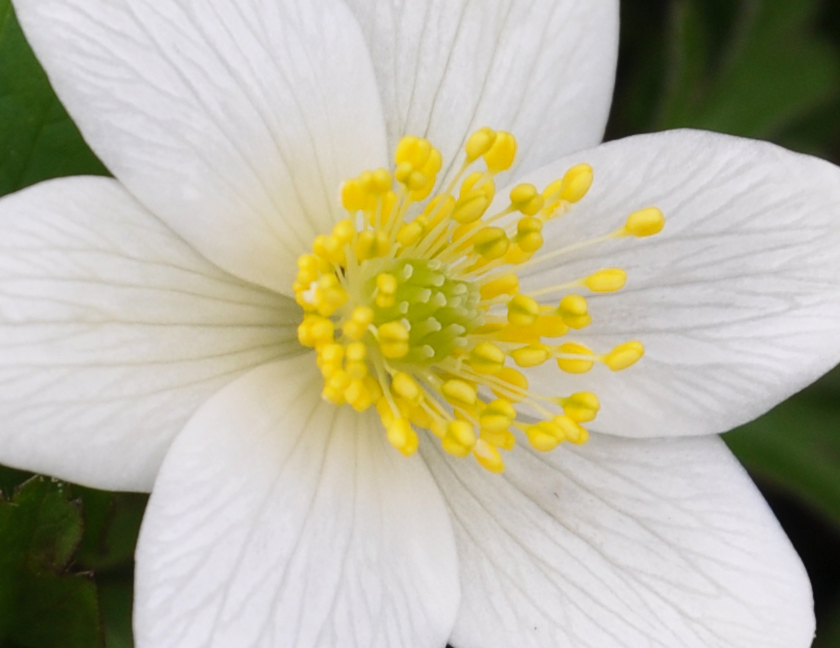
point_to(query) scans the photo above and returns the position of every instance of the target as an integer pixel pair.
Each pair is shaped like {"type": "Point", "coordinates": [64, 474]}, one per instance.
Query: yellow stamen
{"type": "Point", "coordinates": [413, 304]}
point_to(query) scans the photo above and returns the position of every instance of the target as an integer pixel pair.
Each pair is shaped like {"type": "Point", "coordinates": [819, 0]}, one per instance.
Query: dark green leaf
{"type": "Point", "coordinates": [43, 603]}
{"type": "Point", "coordinates": [37, 138]}
{"type": "Point", "coordinates": [771, 71]}
{"type": "Point", "coordinates": [797, 446]}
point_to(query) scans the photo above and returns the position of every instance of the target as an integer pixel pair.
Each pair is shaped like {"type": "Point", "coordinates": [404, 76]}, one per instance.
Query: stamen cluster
{"type": "Point", "coordinates": [413, 305]}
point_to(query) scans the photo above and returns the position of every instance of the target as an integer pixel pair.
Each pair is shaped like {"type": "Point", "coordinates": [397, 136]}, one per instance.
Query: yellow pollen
{"type": "Point", "coordinates": [414, 307]}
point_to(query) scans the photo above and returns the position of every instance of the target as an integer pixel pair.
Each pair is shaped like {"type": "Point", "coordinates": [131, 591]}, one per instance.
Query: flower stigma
{"type": "Point", "coordinates": [413, 304]}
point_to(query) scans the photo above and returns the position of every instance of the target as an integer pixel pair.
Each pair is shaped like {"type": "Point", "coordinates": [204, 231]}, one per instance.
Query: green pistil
{"type": "Point", "coordinates": [440, 311]}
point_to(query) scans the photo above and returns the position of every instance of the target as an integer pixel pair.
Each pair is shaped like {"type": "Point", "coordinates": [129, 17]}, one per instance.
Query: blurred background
{"type": "Point", "coordinates": [765, 69]}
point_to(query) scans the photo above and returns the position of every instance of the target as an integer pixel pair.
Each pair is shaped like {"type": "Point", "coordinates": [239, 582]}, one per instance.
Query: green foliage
{"type": "Point", "coordinates": [38, 140]}
{"type": "Point", "coordinates": [755, 68]}
{"type": "Point", "coordinates": [769, 71]}
{"type": "Point", "coordinates": [797, 446]}
{"type": "Point", "coordinates": [43, 601]}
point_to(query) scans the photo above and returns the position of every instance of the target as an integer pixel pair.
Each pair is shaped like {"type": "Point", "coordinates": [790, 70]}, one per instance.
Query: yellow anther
{"type": "Point", "coordinates": [338, 382]}
{"type": "Point", "coordinates": [526, 199]}
{"type": "Point", "coordinates": [315, 330]}
{"type": "Point", "coordinates": [646, 222]}
{"type": "Point", "coordinates": [373, 386]}
{"type": "Point", "coordinates": [529, 234]}
{"type": "Point", "coordinates": [433, 164]}
{"type": "Point", "coordinates": [494, 424]}
{"type": "Point", "coordinates": [459, 392]}
{"type": "Point", "coordinates": [414, 151]}
{"type": "Point", "coordinates": [405, 386]}
{"type": "Point", "coordinates": [309, 263]}
{"type": "Point", "coordinates": [380, 182]}
{"type": "Point", "coordinates": [581, 407]}
{"type": "Point", "coordinates": [502, 152]}
{"type": "Point", "coordinates": [516, 255]}
{"type": "Point", "coordinates": [393, 339]}
{"type": "Point", "coordinates": [486, 358]}
{"type": "Point", "coordinates": [489, 456]}
{"type": "Point", "coordinates": [420, 417]}
{"type": "Point", "coordinates": [505, 285]}
{"type": "Point", "coordinates": [624, 355]}
{"type": "Point", "coordinates": [357, 325]}
{"type": "Point", "coordinates": [355, 351]}
{"type": "Point", "coordinates": [329, 248]}
{"type": "Point", "coordinates": [573, 305]}
{"type": "Point", "coordinates": [542, 436]}
{"type": "Point", "coordinates": [471, 207]}
{"type": "Point", "coordinates": [607, 280]}
{"type": "Point", "coordinates": [386, 287]}
{"type": "Point", "coordinates": [344, 231]}
{"type": "Point", "coordinates": [354, 197]}
{"type": "Point", "coordinates": [463, 432]}
{"type": "Point", "coordinates": [411, 232]}
{"type": "Point", "coordinates": [357, 395]}
{"type": "Point", "coordinates": [330, 354]}
{"type": "Point", "coordinates": [523, 310]}
{"type": "Point", "coordinates": [386, 283]}
{"type": "Point", "coordinates": [570, 429]}
{"type": "Point", "coordinates": [518, 334]}
{"type": "Point", "coordinates": [576, 183]}
{"type": "Point", "coordinates": [575, 311]}
{"type": "Point", "coordinates": [479, 143]}
{"type": "Point", "coordinates": [371, 244]}
{"type": "Point", "coordinates": [567, 361]}
{"type": "Point", "coordinates": [459, 438]}
{"type": "Point", "coordinates": [356, 369]}
{"type": "Point", "coordinates": [531, 355]}
{"type": "Point", "coordinates": [402, 436]}
{"type": "Point", "coordinates": [510, 384]}
{"type": "Point", "coordinates": [550, 326]}
{"type": "Point", "coordinates": [490, 242]}
{"type": "Point", "coordinates": [501, 407]}
{"type": "Point", "coordinates": [414, 180]}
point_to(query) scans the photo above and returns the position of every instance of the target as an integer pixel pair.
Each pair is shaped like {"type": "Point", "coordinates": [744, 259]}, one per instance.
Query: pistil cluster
{"type": "Point", "coordinates": [413, 304]}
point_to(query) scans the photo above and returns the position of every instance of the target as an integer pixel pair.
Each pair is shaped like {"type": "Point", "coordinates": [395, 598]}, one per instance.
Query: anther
{"type": "Point", "coordinates": [569, 358]}
{"type": "Point", "coordinates": [624, 355]}
{"type": "Point", "coordinates": [489, 456]}
{"type": "Point", "coordinates": [523, 310]}
{"type": "Point", "coordinates": [502, 152]}
{"type": "Point", "coordinates": [487, 358]}
{"type": "Point", "coordinates": [646, 222]}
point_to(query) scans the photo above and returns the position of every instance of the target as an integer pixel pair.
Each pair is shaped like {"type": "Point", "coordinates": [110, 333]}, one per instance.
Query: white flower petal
{"type": "Point", "coordinates": [235, 122]}
{"type": "Point", "coordinates": [651, 543]}
{"type": "Point", "coordinates": [541, 69]}
{"type": "Point", "coordinates": [281, 520]}
{"type": "Point", "coordinates": [738, 299]}
{"type": "Point", "coordinates": [113, 331]}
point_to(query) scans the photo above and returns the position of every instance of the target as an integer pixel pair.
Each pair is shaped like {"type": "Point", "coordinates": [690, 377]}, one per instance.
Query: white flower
{"type": "Point", "coordinates": [149, 338]}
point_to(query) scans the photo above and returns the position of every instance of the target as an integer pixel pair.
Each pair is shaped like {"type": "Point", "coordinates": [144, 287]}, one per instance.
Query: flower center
{"type": "Point", "coordinates": [413, 304]}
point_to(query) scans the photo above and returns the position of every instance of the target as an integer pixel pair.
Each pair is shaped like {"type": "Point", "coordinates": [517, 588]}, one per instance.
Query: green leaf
{"type": "Point", "coordinates": [37, 138]}
{"type": "Point", "coordinates": [43, 603]}
{"type": "Point", "coordinates": [767, 71]}
{"type": "Point", "coordinates": [797, 446]}
{"type": "Point", "coordinates": [112, 524]}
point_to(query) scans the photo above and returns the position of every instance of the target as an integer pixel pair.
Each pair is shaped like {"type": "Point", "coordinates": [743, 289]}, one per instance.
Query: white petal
{"type": "Point", "coordinates": [652, 543]}
{"type": "Point", "coordinates": [112, 332]}
{"type": "Point", "coordinates": [543, 70]}
{"type": "Point", "coordinates": [281, 520]}
{"type": "Point", "coordinates": [737, 301]}
{"type": "Point", "coordinates": [235, 122]}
